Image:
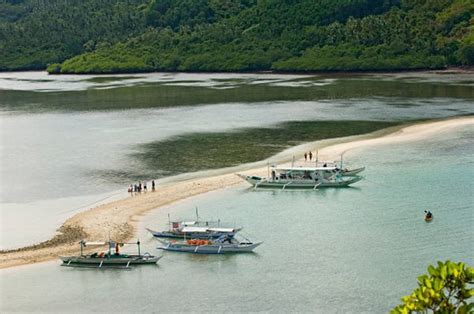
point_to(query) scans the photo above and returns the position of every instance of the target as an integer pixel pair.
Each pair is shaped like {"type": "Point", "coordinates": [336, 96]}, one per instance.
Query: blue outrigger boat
{"type": "Point", "coordinates": [191, 232]}
{"type": "Point", "coordinates": [194, 229]}
{"type": "Point", "coordinates": [222, 245]}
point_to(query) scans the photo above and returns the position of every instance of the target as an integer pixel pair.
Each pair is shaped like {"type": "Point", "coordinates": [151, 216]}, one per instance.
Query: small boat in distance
{"type": "Point", "coordinates": [305, 178]}
{"type": "Point", "coordinates": [428, 216]}
{"type": "Point", "coordinates": [108, 259]}
{"type": "Point", "coordinates": [224, 244]}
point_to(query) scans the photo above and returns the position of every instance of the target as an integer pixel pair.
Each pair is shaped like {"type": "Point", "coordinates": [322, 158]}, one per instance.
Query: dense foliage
{"type": "Point", "coordinates": [235, 35]}
{"type": "Point", "coordinates": [34, 33]}
{"type": "Point", "coordinates": [446, 289]}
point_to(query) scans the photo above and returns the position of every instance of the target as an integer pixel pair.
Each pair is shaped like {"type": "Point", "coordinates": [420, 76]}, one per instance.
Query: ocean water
{"type": "Point", "coordinates": [71, 142]}
{"type": "Point", "coordinates": [329, 251]}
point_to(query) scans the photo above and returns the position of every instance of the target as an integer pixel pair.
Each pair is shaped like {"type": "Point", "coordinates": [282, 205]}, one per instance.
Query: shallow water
{"type": "Point", "coordinates": [334, 250]}
{"type": "Point", "coordinates": [69, 142]}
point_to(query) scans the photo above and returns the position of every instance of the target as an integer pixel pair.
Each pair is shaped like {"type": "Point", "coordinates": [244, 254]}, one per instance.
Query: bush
{"type": "Point", "coordinates": [446, 289]}
{"type": "Point", "coordinates": [54, 68]}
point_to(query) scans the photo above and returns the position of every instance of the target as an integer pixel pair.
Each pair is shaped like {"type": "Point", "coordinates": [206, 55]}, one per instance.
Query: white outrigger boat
{"type": "Point", "coordinates": [194, 229]}
{"type": "Point", "coordinates": [108, 259]}
{"type": "Point", "coordinates": [224, 244]}
{"type": "Point", "coordinates": [305, 178]}
{"type": "Point", "coordinates": [180, 232]}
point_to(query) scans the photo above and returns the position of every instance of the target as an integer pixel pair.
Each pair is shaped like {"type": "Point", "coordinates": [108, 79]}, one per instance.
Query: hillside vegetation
{"type": "Point", "coordinates": [105, 36]}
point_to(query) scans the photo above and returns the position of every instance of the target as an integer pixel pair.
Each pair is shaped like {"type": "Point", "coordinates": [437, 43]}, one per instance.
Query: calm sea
{"type": "Point", "coordinates": [70, 142]}
{"type": "Point", "coordinates": [335, 250]}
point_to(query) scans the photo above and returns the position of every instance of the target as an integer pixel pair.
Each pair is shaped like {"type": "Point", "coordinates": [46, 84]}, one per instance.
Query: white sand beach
{"type": "Point", "coordinates": [121, 217]}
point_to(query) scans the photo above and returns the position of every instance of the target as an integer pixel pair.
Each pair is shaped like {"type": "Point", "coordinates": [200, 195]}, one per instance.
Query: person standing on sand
{"type": "Point", "coordinates": [130, 190]}
{"type": "Point", "coordinates": [140, 186]}
{"type": "Point", "coordinates": [144, 187]}
{"type": "Point", "coordinates": [153, 185]}
{"type": "Point", "coordinates": [310, 156]}
{"type": "Point", "coordinates": [305, 156]}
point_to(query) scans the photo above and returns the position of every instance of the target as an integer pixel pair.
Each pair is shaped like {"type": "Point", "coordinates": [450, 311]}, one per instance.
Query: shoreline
{"type": "Point", "coordinates": [121, 217]}
{"type": "Point", "coordinates": [445, 70]}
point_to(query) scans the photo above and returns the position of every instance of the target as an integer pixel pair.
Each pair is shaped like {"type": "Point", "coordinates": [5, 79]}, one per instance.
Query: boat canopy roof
{"type": "Point", "coordinates": [94, 243]}
{"type": "Point", "coordinates": [309, 169]}
{"type": "Point", "coordinates": [223, 229]}
{"type": "Point", "coordinates": [206, 229]}
{"type": "Point", "coordinates": [194, 229]}
{"type": "Point", "coordinates": [189, 223]}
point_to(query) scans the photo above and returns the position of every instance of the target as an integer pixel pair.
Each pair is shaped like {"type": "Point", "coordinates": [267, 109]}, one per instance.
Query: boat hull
{"type": "Point", "coordinates": [353, 172]}
{"type": "Point", "coordinates": [109, 261]}
{"type": "Point", "coordinates": [210, 249]}
{"type": "Point", "coordinates": [258, 182]}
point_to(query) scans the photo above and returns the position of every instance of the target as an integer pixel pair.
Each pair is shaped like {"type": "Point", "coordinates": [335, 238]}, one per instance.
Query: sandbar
{"type": "Point", "coordinates": [120, 218]}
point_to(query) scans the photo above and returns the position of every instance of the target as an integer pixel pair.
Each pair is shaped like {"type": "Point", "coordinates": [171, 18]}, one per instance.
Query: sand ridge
{"type": "Point", "coordinates": [120, 218]}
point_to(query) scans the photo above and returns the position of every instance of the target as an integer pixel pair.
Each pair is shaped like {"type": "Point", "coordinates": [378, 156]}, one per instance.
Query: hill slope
{"type": "Point", "coordinates": [105, 36]}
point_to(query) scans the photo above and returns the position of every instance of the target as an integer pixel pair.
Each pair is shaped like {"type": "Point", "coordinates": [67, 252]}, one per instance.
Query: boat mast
{"type": "Point", "coordinates": [110, 252]}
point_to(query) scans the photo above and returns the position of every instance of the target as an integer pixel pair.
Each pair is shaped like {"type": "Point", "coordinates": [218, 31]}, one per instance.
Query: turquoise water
{"type": "Point", "coordinates": [70, 142]}
{"type": "Point", "coordinates": [335, 250]}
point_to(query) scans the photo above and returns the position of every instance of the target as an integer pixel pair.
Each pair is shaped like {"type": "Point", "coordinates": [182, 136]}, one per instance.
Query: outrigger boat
{"type": "Point", "coordinates": [180, 232]}
{"type": "Point", "coordinates": [222, 245]}
{"type": "Point", "coordinates": [195, 229]}
{"type": "Point", "coordinates": [108, 259]}
{"type": "Point", "coordinates": [304, 178]}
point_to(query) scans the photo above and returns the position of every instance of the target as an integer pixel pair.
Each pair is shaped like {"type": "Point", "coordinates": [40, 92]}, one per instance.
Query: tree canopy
{"type": "Point", "coordinates": [446, 288]}
{"type": "Point", "coordinates": [105, 36]}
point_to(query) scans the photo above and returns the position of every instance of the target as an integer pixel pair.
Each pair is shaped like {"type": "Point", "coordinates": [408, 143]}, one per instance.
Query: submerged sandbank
{"type": "Point", "coordinates": [120, 217]}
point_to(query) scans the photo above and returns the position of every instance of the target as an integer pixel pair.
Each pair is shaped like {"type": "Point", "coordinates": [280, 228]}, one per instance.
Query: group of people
{"type": "Point", "coordinates": [140, 187]}
{"type": "Point", "coordinates": [308, 156]}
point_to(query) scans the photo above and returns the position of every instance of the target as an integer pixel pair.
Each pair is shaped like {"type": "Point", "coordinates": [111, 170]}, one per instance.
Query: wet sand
{"type": "Point", "coordinates": [121, 217]}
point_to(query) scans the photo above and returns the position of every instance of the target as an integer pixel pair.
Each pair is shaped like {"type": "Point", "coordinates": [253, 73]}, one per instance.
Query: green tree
{"type": "Point", "coordinates": [467, 54]}
{"type": "Point", "coordinates": [446, 289]}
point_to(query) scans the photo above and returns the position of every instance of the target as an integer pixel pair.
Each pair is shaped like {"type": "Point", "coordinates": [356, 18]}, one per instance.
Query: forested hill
{"type": "Point", "coordinates": [107, 36]}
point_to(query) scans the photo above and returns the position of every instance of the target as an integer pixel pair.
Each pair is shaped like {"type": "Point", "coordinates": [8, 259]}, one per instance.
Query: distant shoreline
{"type": "Point", "coordinates": [447, 70]}
{"type": "Point", "coordinates": [121, 217]}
